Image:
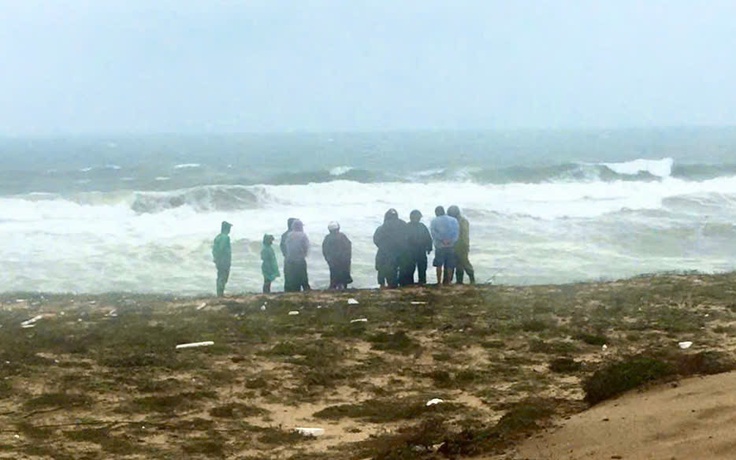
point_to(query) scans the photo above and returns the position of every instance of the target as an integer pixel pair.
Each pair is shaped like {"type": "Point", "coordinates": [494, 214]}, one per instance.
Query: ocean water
{"type": "Point", "coordinates": [138, 213]}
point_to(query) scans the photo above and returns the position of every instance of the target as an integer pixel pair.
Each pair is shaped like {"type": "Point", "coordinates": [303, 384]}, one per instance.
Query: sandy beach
{"type": "Point", "coordinates": [691, 419]}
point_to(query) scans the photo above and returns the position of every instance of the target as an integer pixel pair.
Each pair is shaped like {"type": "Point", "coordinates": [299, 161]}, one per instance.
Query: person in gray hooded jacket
{"type": "Point", "coordinates": [295, 262]}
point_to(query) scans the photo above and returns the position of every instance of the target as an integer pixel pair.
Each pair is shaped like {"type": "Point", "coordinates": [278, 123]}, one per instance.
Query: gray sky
{"type": "Point", "coordinates": [71, 66]}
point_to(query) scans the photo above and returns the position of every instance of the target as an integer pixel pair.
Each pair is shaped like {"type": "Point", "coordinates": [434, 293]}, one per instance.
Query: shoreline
{"type": "Point", "coordinates": [172, 296]}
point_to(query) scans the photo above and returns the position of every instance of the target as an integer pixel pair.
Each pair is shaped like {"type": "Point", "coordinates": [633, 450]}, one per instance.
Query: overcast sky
{"type": "Point", "coordinates": [76, 66]}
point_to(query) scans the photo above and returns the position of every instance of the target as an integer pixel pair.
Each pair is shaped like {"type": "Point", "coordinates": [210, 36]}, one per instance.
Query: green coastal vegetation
{"type": "Point", "coordinates": [99, 376]}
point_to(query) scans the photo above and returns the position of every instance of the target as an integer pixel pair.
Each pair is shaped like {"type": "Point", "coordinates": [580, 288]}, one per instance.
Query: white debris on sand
{"type": "Point", "coordinates": [434, 401]}
{"type": "Point", "coordinates": [195, 344]}
{"type": "Point", "coordinates": [293, 313]}
{"type": "Point", "coordinates": [685, 345]}
{"type": "Point", "coordinates": [359, 320]}
{"type": "Point", "coordinates": [310, 431]}
{"type": "Point", "coordinates": [352, 301]}
{"type": "Point", "coordinates": [30, 322]}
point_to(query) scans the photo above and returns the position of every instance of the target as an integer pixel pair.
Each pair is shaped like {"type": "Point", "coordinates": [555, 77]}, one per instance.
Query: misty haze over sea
{"type": "Point", "coordinates": [138, 212]}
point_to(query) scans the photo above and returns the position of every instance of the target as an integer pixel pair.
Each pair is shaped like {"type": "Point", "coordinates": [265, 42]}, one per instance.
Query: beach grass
{"type": "Point", "coordinates": [100, 376]}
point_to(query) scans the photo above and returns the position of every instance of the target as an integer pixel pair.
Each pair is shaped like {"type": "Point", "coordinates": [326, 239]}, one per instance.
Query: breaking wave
{"type": "Point", "coordinates": [635, 170]}
{"type": "Point", "coordinates": [199, 199]}
{"type": "Point", "coordinates": [208, 198]}
{"type": "Point", "coordinates": [658, 168]}
{"type": "Point", "coordinates": [340, 170]}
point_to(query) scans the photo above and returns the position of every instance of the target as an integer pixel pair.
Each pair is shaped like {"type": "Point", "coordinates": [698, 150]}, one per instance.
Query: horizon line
{"type": "Point", "coordinates": [297, 132]}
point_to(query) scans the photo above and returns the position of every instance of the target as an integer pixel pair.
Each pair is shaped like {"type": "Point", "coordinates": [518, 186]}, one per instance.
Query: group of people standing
{"type": "Point", "coordinates": [403, 248]}
{"type": "Point", "coordinates": [336, 249]}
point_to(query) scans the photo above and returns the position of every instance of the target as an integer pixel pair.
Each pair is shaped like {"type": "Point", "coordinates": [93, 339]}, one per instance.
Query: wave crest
{"type": "Point", "coordinates": [209, 198]}
{"type": "Point", "coordinates": [659, 168]}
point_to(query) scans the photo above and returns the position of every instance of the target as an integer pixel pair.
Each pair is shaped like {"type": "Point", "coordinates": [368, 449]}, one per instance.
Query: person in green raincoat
{"type": "Point", "coordinates": [222, 256]}
{"type": "Point", "coordinates": [269, 266]}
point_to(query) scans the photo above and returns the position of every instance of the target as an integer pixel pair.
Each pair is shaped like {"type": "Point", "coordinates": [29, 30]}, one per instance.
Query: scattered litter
{"type": "Point", "coordinates": [604, 347]}
{"type": "Point", "coordinates": [352, 301]}
{"type": "Point", "coordinates": [28, 326]}
{"type": "Point", "coordinates": [195, 344]}
{"type": "Point", "coordinates": [113, 313]}
{"type": "Point", "coordinates": [685, 345]}
{"type": "Point", "coordinates": [416, 302]}
{"type": "Point", "coordinates": [359, 320]}
{"type": "Point", "coordinates": [310, 431]}
{"type": "Point", "coordinates": [202, 305]}
{"type": "Point", "coordinates": [263, 307]}
{"type": "Point", "coordinates": [434, 401]}
{"type": "Point", "coordinates": [30, 322]}
{"type": "Point", "coordinates": [293, 312]}
{"type": "Point", "coordinates": [17, 436]}
{"type": "Point", "coordinates": [319, 307]}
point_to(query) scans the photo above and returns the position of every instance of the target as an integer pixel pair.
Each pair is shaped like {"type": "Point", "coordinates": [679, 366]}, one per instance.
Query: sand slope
{"type": "Point", "coordinates": [694, 419]}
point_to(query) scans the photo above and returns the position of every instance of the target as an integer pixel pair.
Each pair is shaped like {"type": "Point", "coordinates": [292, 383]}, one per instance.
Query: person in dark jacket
{"type": "Point", "coordinates": [269, 266]}
{"type": "Point", "coordinates": [222, 256]}
{"type": "Point", "coordinates": [462, 247]}
{"type": "Point", "coordinates": [390, 238]}
{"type": "Point", "coordinates": [337, 250]}
{"type": "Point", "coordinates": [419, 242]}
{"type": "Point", "coordinates": [295, 262]}
{"type": "Point", "coordinates": [282, 244]}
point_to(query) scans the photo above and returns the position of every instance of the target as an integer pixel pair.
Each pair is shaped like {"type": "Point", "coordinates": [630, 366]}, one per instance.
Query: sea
{"type": "Point", "coordinates": [138, 213]}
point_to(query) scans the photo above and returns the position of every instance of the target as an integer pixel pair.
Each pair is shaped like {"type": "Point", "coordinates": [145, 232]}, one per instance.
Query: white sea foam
{"type": "Point", "coordinates": [187, 166]}
{"type": "Point", "coordinates": [548, 232]}
{"type": "Point", "coordinates": [429, 172]}
{"type": "Point", "coordinates": [340, 170]}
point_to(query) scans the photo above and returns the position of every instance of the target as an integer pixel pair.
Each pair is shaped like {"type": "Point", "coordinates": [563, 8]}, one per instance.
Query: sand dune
{"type": "Point", "coordinates": [693, 419]}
